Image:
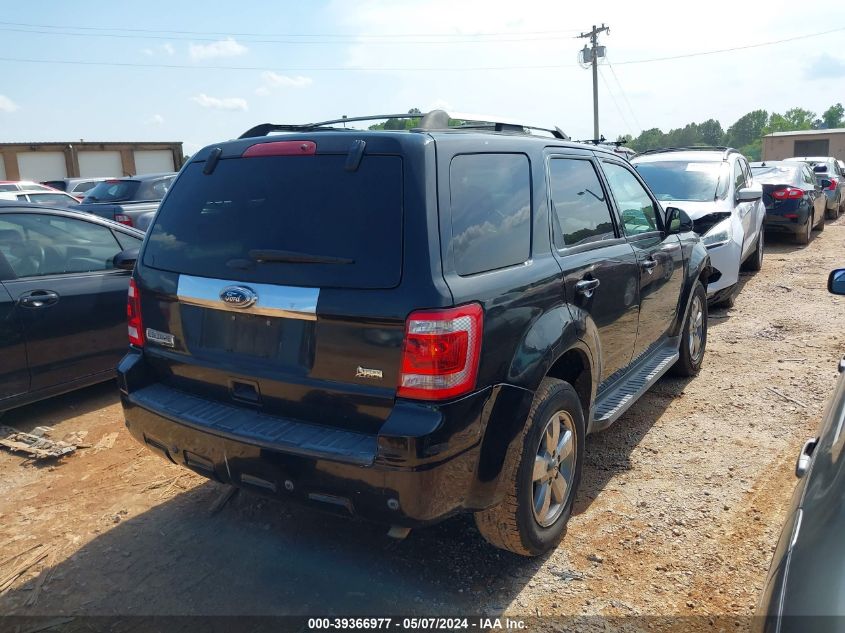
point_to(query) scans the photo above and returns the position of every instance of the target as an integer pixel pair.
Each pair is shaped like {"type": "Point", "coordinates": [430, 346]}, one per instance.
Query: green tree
{"type": "Point", "coordinates": [832, 117]}
{"type": "Point", "coordinates": [747, 129]}
{"type": "Point", "coordinates": [711, 132]}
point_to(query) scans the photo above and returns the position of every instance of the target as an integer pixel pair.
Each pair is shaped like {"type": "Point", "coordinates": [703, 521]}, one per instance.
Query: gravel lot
{"type": "Point", "coordinates": [678, 514]}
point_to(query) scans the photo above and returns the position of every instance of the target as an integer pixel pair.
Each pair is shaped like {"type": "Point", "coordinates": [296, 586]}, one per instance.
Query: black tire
{"type": "Point", "coordinates": [805, 235]}
{"type": "Point", "coordinates": [832, 214]}
{"type": "Point", "coordinates": [691, 357]}
{"type": "Point", "coordinates": [512, 525]}
{"type": "Point", "coordinates": [755, 260]}
{"type": "Point", "coordinates": [820, 226]}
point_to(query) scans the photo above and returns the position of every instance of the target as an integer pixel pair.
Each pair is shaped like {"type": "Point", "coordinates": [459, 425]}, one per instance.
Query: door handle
{"type": "Point", "coordinates": [649, 264]}
{"type": "Point", "coordinates": [38, 298]}
{"type": "Point", "coordinates": [805, 457]}
{"type": "Point", "coordinates": [586, 287]}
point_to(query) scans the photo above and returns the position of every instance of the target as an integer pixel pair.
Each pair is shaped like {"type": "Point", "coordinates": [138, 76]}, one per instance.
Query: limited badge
{"type": "Point", "coordinates": [363, 372]}
{"type": "Point", "coordinates": [162, 338]}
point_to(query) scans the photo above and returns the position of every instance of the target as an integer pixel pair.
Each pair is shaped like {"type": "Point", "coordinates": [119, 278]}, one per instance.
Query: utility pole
{"type": "Point", "coordinates": [592, 54]}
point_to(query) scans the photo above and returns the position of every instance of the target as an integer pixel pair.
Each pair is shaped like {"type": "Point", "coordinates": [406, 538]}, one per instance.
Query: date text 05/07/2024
{"type": "Point", "coordinates": [417, 623]}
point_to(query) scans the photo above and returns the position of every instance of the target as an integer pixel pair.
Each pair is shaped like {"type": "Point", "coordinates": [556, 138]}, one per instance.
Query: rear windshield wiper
{"type": "Point", "coordinates": [270, 255]}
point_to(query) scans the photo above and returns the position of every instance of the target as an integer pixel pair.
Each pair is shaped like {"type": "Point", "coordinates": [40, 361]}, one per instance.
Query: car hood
{"type": "Point", "coordinates": [697, 209]}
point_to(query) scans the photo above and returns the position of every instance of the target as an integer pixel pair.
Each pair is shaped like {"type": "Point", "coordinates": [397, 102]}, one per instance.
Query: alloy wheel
{"type": "Point", "coordinates": [554, 468]}
{"type": "Point", "coordinates": [695, 330]}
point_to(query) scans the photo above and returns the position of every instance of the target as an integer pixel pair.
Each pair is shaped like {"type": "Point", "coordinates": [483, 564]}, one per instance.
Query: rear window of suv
{"type": "Point", "coordinates": [287, 220]}
{"type": "Point", "coordinates": [113, 191]}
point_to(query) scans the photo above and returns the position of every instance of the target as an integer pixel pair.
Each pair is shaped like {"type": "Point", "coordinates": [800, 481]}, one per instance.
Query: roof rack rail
{"type": "Point", "coordinates": [694, 148]}
{"type": "Point", "coordinates": [433, 120]}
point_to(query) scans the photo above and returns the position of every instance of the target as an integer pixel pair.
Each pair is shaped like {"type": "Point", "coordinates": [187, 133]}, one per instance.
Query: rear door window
{"type": "Point", "coordinates": [491, 211]}
{"type": "Point", "coordinates": [579, 204]}
{"type": "Point", "coordinates": [287, 220]}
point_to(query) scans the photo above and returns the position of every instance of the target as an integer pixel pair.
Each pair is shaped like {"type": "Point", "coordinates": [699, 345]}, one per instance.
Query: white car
{"type": "Point", "coordinates": [49, 198]}
{"type": "Point", "coordinates": [715, 187]}
{"type": "Point", "coordinates": [23, 185]}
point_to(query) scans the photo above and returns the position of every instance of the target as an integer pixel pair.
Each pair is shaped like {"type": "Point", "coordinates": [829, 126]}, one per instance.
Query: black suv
{"type": "Point", "coordinates": [404, 325]}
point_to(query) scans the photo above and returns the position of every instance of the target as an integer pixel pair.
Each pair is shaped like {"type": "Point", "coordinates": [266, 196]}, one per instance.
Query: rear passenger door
{"type": "Point", "coordinates": [659, 256]}
{"type": "Point", "coordinates": [599, 266]}
{"type": "Point", "coordinates": [69, 299]}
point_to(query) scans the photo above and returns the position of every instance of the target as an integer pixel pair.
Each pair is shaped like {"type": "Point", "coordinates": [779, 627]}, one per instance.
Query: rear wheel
{"type": "Point", "coordinates": [820, 226]}
{"type": "Point", "coordinates": [832, 214]}
{"type": "Point", "coordinates": [806, 233]}
{"type": "Point", "coordinates": [532, 517]}
{"type": "Point", "coordinates": [694, 335]}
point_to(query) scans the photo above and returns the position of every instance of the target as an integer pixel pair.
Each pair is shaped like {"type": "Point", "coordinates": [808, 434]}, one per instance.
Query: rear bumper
{"type": "Point", "coordinates": [426, 463]}
{"type": "Point", "coordinates": [776, 223]}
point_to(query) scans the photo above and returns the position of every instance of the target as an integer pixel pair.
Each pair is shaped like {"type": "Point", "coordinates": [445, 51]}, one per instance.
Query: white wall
{"type": "Point", "coordinates": [103, 163]}
{"type": "Point", "coordinates": [2, 169]}
{"type": "Point", "coordinates": [40, 166]}
{"type": "Point", "coordinates": [151, 161]}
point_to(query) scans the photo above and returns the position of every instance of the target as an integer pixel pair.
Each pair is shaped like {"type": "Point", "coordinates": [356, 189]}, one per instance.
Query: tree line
{"type": "Point", "coordinates": [745, 135]}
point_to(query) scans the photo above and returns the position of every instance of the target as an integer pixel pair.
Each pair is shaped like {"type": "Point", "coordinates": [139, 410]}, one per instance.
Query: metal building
{"type": "Point", "coordinates": [51, 161]}
{"type": "Point", "coordinates": [780, 145]}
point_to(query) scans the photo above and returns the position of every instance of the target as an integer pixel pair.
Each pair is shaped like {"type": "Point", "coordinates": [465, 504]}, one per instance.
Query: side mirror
{"type": "Point", "coordinates": [125, 260]}
{"type": "Point", "coordinates": [677, 221]}
{"type": "Point", "coordinates": [836, 282]}
{"type": "Point", "coordinates": [825, 183]}
{"type": "Point", "coordinates": [749, 194]}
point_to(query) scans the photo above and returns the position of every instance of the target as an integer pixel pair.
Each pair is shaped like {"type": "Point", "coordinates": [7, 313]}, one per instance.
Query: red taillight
{"type": "Point", "coordinates": [833, 184]}
{"type": "Point", "coordinates": [281, 148]}
{"type": "Point", "coordinates": [123, 219]}
{"type": "Point", "coordinates": [133, 315]}
{"type": "Point", "coordinates": [441, 351]}
{"type": "Point", "coordinates": [788, 193]}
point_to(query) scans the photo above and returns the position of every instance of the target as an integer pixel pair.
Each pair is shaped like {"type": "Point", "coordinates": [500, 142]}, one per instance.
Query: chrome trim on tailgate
{"type": "Point", "coordinates": [290, 302]}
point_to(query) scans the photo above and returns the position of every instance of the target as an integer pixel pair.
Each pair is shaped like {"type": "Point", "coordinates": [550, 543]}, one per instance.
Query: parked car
{"type": "Point", "coordinates": [131, 201]}
{"type": "Point", "coordinates": [23, 185]}
{"type": "Point", "coordinates": [48, 198]}
{"type": "Point", "coordinates": [392, 325]}
{"type": "Point", "coordinates": [62, 301]}
{"type": "Point", "coordinates": [795, 202]}
{"type": "Point", "coordinates": [716, 188]}
{"type": "Point", "coordinates": [76, 187]}
{"type": "Point", "coordinates": [827, 168]}
{"type": "Point", "coordinates": [805, 587]}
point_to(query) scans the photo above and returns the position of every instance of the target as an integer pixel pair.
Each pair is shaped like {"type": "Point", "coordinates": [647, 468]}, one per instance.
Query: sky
{"type": "Point", "coordinates": [205, 72]}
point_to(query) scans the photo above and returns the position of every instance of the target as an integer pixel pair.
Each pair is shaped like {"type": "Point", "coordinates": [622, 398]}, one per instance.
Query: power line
{"type": "Point", "coordinates": [351, 36]}
{"type": "Point", "coordinates": [624, 96]}
{"type": "Point", "coordinates": [397, 68]}
{"type": "Point", "coordinates": [732, 49]}
{"type": "Point", "coordinates": [298, 42]}
{"type": "Point", "coordinates": [615, 103]}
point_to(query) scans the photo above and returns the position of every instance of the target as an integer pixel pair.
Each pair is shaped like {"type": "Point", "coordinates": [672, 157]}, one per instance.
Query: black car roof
{"type": "Point", "coordinates": [12, 206]}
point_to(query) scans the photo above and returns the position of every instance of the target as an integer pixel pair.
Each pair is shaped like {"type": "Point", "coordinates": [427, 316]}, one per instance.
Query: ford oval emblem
{"type": "Point", "coordinates": [238, 296]}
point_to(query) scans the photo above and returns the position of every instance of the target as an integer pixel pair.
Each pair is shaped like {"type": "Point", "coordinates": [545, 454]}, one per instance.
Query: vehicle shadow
{"type": "Point", "coordinates": [59, 408]}
{"type": "Point", "coordinates": [608, 452]}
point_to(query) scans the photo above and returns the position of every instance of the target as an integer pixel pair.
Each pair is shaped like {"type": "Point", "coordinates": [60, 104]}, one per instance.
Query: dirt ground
{"type": "Point", "coordinates": [678, 514]}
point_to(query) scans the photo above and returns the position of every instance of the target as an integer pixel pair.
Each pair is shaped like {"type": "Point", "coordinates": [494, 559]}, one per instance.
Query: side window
{"type": "Point", "coordinates": [808, 176]}
{"type": "Point", "coordinates": [35, 245]}
{"type": "Point", "coordinates": [490, 198]}
{"type": "Point", "coordinates": [639, 214]}
{"type": "Point", "coordinates": [578, 203]}
{"type": "Point", "coordinates": [127, 241]}
{"type": "Point", "coordinates": [739, 177]}
{"type": "Point", "coordinates": [749, 179]}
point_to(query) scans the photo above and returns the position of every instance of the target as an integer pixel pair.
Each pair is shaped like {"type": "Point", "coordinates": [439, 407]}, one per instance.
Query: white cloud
{"type": "Point", "coordinates": [155, 119]}
{"type": "Point", "coordinates": [271, 80]}
{"type": "Point", "coordinates": [222, 48]}
{"type": "Point", "coordinates": [220, 103]}
{"type": "Point", "coordinates": [148, 52]}
{"type": "Point", "coordinates": [168, 48]}
{"type": "Point", "coordinates": [7, 105]}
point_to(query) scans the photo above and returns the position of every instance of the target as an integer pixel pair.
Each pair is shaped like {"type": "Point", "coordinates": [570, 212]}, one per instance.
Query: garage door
{"type": "Point", "coordinates": [40, 166]}
{"type": "Point", "coordinates": [152, 161]}
{"type": "Point", "coordinates": [100, 164]}
{"type": "Point", "coordinates": [2, 169]}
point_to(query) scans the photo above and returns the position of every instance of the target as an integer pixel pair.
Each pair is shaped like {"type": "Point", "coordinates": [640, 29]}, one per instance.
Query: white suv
{"type": "Point", "coordinates": [714, 186]}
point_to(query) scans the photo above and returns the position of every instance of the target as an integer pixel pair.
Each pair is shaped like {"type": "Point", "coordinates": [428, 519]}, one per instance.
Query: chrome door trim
{"type": "Point", "coordinates": [289, 302]}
